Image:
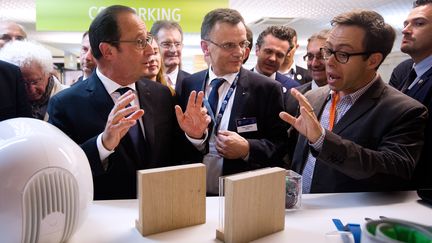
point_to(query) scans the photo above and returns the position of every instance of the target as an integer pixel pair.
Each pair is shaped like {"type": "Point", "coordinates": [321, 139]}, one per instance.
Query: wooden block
{"type": "Point", "coordinates": [171, 197]}
{"type": "Point", "coordinates": [254, 205]}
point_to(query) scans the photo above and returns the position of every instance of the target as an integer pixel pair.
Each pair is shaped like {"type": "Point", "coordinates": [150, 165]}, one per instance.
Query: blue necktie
{"type": "Point", "coordinates": [213, 98]}
{"type": "Point", "coordinates": [135, 133]}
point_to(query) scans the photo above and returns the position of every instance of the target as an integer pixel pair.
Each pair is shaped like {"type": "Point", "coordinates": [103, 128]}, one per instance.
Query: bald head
{"type": "Point", "coordinates": [10, 31]}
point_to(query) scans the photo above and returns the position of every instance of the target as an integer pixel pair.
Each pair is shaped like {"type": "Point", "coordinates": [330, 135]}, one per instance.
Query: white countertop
{"type": "Point", "coordinates": [114, 221]}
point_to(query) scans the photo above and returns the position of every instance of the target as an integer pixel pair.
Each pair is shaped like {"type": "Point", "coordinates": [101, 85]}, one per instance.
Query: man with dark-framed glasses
{"type": "Point", "coordinates": [122, 122]}
{"type": "Point", "coordinates": [357, 133]}
{"type": "Point", "coordinates": [245, 132]}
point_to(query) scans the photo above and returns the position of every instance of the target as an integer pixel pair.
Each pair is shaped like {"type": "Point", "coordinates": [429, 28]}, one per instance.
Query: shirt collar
{"type": "Point", "coordinates": [173, 75]}
{"type": "Point", "coordinates": [228, 77]}
{"type": "Point", "coordinates": [110, 85]}
{"type": "Point", "coordinates": [423, 66]}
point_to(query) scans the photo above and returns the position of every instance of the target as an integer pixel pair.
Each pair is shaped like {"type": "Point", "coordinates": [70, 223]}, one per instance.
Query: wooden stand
{"type": "Point", "coordinates": [254, 205]}
{"type": "Point", "coordinates": [171, 197]}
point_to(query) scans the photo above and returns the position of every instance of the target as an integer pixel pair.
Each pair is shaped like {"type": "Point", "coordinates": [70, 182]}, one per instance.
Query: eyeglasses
{"type": "Point", "coordinates": [140, 43]}
{"type": "Point", "coordinates": [230, 46]}
{"type": "Point", "coordinates": [309, 57]}
{"type": "Point", "coordinates": [168, 45]}
{"type": "Point", "coordinates": [340, 56]}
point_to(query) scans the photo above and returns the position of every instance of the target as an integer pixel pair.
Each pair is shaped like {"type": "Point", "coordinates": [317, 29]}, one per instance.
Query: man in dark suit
{"type": "Point", "coordinates": [271, 48]}
{"type": "Point", "coordinates": [13, 97]}
{"type": "Point", "coordinates": [289, 67]}
{"type": "Point", "coordinates": [357, 133]}
{"type": "Point", "coordinates": [414, 77]}
{"type": "Point", "coordinates": [245, 133]}
{"type": "Point", "coordinates": [87, 61]}
{"type": "Point", "coordinates": [118, 138]}
{"type": "Point", "coordinates": [169, 36]}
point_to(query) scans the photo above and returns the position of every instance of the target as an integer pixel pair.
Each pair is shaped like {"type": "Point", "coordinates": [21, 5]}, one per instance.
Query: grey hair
{"type": "Point", "coordinates": [23, 53]}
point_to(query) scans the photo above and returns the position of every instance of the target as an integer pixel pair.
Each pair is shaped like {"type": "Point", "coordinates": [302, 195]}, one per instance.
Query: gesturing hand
{"type": "Point", "coordinates": [194, 121]}
{"type": "Point", "coordinates": [306, 123]}
{"type": "Point", "coordinates": [120, 119]}
{"type": "Point", "coordinates": [231, 145]}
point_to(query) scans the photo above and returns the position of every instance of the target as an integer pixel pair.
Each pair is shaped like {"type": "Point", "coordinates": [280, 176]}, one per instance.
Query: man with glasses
{"type": "Point", "coordinates": [122, 123]}
{"type": "Point", "coordinates": [169, 36]}
{"type": "Point", "coordinates": [10, 31]}
{"type": "Point", "coordinates": [316, 67]}
{"type": "Point", "coordinates": [245, 132]}
{"type": "Point", "coordinates": [271, 48]}
{"type": "Point", "coordinates": [414, 77]}
{"type": "Point", "coordinates": [357, 133]}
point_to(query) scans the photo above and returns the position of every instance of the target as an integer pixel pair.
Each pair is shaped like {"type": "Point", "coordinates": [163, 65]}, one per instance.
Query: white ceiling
{"type": "Point", "coordinates": [306, 16]}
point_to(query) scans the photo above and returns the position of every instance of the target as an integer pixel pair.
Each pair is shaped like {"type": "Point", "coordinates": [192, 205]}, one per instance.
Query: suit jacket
{"type": "Point", "coordinates": [291, 104]}
{"type": "Point", "coordinates": [180, 76]}
{"type": "Point", "coordinates": [286, 82]}
{"type": "Point", "coordinates": [374, 147]}
{"type": "Point", "coordinates": [256, 96]}
{"type": "Point", "coordinates": [422, 92]}
{"type": "Point", "coordinates": [302, 75]}
{"type": "Point", "coordinates": [13, 97]}
{"type": "Point", "coordinates": [82, 111]}
{"type": "Point", "coordinates": [400, 74]}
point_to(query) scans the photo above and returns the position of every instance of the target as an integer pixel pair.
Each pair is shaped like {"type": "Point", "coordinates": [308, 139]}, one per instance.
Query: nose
{"type": "Point", "coordinates": [406, 29]}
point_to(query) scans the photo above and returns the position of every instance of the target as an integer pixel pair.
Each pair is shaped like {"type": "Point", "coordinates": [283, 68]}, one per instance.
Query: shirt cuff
{"type": "Point", "coordinates": [319, 143]}
{"type": "Point", "coordinates": [103, 152]}
{"type": "Point", "coordinates": [198, 143]}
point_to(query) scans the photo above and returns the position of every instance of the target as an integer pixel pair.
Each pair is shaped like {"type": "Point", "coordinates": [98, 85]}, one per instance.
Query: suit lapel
{"type": "Point", "coordinates": [146, 100]}
{"type": "Point", "coordinates": [240, 98]}
{"type": "Point", "coordinates": [101, 101]}
{"type": "Point", "coordinates": [361, 106]}
{"type": "Point", "coordinates": [420, 90]}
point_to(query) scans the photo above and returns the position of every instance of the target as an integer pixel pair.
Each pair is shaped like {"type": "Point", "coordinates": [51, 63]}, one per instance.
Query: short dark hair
{"type": "Point", "coordinates": [85, 34]}
{"type": "Point", "coordinates": [379, 36]}
{"type": "Point", "coordinates": [419, 3]}
{"type": "Point", "coordinates": [104, 28]}
{"type": "Point", "coordinates": [224, 15]}
{"type": "Point", "coordinates": [165, 24]}
{"type": "Point", "coordinates": [292, 33]}
{"type": "Point", "coordinates": [280, 32]}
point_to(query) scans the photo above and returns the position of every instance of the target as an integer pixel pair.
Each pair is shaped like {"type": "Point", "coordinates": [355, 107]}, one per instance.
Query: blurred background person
{"type": "Point", "coordinates": [249, 37]}
{"type": "Point", "coordinates": [414, 77]}
{"type": "Point", "coordinates": [10, 31]}
{"type": "Point", "coordinates": [87, 62]}
{"type": "Point", "coordinates": [153, 69]}
{"type": "Point", "coordinates": [36, 65]}
{"type": "Point", "coordinates": [169, 36]}
{"type": "Point", "coordinates": [289, 67]}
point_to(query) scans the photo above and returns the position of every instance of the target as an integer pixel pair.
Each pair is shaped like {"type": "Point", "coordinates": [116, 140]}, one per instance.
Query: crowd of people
{"type": "Point", "coordinates": [338, 123]}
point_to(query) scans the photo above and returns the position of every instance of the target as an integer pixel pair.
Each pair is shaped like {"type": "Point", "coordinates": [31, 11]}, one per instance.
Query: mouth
{"type": "Point", "coordinates": [332, 77]}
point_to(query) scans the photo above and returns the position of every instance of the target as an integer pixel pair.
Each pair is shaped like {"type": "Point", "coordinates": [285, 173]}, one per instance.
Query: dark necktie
{"type": "Point", "coordinates": [411, 77]}
{"type": "Point", "coordinates": [135, 133]}
{"type": "Point", "coordinates": [213, 98]}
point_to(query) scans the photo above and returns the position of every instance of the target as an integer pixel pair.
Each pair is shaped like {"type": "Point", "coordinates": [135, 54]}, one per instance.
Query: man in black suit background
{"type": "Point", "coordinates": [357, 133]}
{"type": "Point", "coordinates": [414, 77]}
{"type": "Point", "coordinates": [271, 48]}
{"type": "Point", "coordinates": [289, 68]}
{"type": "Point", "coordinates": [245, 132]}
{"type": "Point", "coordinates": [169, 36]}
{"type": "Point", "coordinates": [13, 97]}
{"type": "Point", "coordinates": [120, 134]}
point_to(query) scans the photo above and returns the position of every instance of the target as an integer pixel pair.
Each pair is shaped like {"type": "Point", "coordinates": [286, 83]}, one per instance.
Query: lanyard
{"type": "Point", "coordinates": [217, 119]}
{"type": "Point", "coordinates": [332, 116]}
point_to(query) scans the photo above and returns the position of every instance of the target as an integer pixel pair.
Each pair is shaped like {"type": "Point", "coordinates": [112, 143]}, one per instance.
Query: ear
{"type": "Point", "coordinates": [257, 49]}
{"type": "Point", "coordinates": [374, 60]}
{"type": "Point", "coordinates": [204, 47]}
{"type": "Point", "coordinates": [106, 50]}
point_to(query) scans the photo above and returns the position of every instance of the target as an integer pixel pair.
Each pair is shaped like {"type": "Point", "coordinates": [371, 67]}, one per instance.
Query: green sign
{"type": "Point", "coordinates": [76, 15]}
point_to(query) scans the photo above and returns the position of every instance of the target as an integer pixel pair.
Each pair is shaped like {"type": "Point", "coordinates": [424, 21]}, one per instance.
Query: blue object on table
{"type": "Point", "coordinates": [353, 228]}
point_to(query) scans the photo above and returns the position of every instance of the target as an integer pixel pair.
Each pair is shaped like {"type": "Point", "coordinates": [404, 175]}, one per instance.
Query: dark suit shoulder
{"type": "Point", "coordinates": [400, 73]}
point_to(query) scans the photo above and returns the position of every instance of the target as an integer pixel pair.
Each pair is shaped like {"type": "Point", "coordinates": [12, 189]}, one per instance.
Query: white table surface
{"type": "Point", "coordinates": [114, 221]}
